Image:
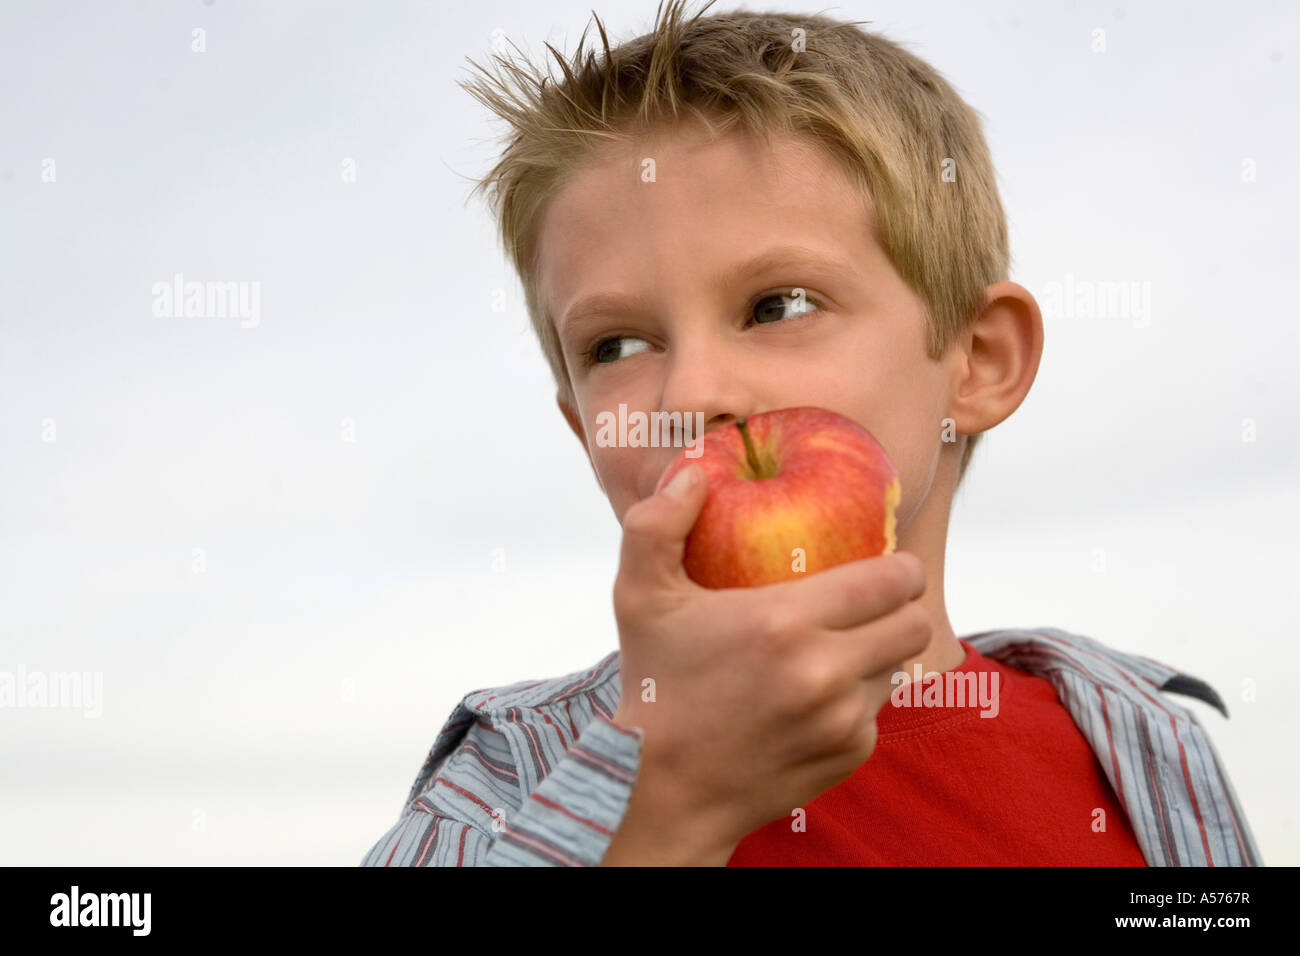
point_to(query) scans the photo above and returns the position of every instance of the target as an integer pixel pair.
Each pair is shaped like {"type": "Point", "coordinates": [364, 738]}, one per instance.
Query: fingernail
{"type": "Point", "coordinates": [682, 483]}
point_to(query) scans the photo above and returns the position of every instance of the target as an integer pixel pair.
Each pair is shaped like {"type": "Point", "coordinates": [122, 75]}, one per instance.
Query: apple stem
{"type": "Point", "coordinates": [750, 455]}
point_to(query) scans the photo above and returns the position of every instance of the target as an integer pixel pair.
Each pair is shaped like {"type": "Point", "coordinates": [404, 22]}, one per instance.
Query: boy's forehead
{"type": "Point", "coordinates": [665, 168]}
{"type": "Point", "coordinates": [711, 200]}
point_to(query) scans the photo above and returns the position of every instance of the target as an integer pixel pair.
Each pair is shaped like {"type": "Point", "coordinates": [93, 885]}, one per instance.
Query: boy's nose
{"type": "Point", "coordinates": [705, 384]}
{"type": "Point", "coordinates": [719, 421]}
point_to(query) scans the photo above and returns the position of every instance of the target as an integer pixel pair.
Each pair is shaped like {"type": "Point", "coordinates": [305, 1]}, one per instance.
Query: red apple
{"type": "Point", "coordinates": [791, 492]}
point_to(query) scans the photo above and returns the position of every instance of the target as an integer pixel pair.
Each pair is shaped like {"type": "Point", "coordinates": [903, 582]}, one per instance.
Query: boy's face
{"type": "Point", "coordinates": [705, 258]}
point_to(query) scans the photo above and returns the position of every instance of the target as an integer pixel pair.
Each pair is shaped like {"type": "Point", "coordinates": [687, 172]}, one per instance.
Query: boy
{"type": "Point", "coordinates": [785, 210]}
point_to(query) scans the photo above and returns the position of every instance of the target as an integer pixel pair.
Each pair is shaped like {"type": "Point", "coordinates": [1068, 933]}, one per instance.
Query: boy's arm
{"type": "Point", "coordinates": [569, 820]}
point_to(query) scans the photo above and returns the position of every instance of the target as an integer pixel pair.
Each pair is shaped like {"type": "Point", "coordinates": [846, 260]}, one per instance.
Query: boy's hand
{"type": "Point", "coordinates": [765, 697]}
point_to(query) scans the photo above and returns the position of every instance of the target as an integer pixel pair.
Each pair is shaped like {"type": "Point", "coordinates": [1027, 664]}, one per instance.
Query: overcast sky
{"type": "Point", "coordinates": [275, 705]}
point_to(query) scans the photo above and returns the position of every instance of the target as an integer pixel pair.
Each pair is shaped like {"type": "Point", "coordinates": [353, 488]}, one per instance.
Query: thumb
{"type": "Point", "coordinates": [655, 529]}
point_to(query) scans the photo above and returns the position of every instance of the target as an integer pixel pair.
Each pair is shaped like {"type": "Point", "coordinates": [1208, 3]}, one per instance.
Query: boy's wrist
{"type": "Point", "coordinates": [664, 825]}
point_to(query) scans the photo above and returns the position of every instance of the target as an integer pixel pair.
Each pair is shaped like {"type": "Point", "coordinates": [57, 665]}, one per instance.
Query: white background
{"type": "Point", "coordinates": [276, 708]}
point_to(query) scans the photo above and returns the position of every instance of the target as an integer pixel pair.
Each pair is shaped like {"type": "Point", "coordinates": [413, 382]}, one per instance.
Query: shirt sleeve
{"type": "Point", "coordinates": [472, 813]}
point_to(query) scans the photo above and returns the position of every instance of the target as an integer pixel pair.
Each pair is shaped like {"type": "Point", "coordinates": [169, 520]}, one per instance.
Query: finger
{"type": "Point", "coordinates": [878, 649]}
{"type": "Point", "coordinates": [655, 530]}
{"type": "Point", "coordinates": [857, 592]}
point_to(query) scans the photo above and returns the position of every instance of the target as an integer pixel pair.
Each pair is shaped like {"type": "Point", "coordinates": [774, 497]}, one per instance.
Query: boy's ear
{"type": "Point", "coordinates": [575, 422]}
{"type": "Point", "coordinates": [994, 370]}
{"type": "Point", "coordinates": [571, 416]}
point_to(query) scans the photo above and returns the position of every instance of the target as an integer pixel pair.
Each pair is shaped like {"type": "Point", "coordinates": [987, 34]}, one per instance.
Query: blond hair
{"type": "Point", "coordinates": [915, 148]}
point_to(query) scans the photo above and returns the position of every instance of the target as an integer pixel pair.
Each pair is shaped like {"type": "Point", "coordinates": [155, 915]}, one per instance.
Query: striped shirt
{"type": "Point", "coordinates": [538, 774]}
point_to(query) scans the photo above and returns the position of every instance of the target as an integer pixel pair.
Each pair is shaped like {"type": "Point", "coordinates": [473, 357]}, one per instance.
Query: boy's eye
{"type": "Point", "coordinates": [771, 308]}
{"type": "Point", "coordinates": [611, 350]}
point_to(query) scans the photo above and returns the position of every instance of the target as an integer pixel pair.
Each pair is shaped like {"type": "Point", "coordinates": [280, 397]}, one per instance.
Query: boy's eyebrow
{"type": "Point", "coordinates": [807, 259]}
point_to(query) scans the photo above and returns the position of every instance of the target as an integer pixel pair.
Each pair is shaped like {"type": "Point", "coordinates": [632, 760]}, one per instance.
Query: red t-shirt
{"type": "Point", "coordinates": [948, 787]}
